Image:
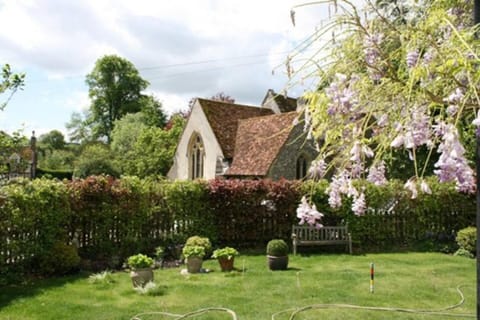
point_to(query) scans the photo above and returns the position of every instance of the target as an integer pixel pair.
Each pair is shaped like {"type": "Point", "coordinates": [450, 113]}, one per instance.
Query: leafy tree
{"type": "Point", "coordinates": [53, 140]}
{"type": "Point", "coordinates": [78, 127]}
{"type": "Point", "coordinates": [59, 159]}
{"type": "Point", "coordinates": [115, 88]}
{"type": "Point", "coordinates": [154, 149]}
{"type": "Point", "coordinates": [95, 159]}
{"type": "Point", "coordinates": [10, 82]}
{"type": "Point", "coordinates": [153, 111]}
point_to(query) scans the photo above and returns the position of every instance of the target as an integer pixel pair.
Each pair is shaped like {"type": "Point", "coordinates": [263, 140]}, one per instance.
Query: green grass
{"type": "Point", "coordinates": [403, 280]}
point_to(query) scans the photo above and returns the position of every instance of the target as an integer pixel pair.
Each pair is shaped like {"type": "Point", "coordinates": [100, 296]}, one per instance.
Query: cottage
{"type": "Point", "coordinates": [238, 141]}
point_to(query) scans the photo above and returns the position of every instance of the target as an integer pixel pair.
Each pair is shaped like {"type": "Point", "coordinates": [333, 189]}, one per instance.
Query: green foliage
{"type": "Point", "coordinates": [59, 260]}
{"type": "Point", "coordinates": [79, 130]}
{"type": "Point", "coordinates": [154, 150]}
{"type": "Point", "coordinates": [139, 261]}
{"type": "Point", "coordinates": [53, 140]}
{"type": "Point", "coordinates": [270, 214]}
{"type": "Point", "coordinates": [10, 81]}
{"type": "Point", "coordinates": [54, 174]}
{"type": "Point", "coordinates": [193, 251]}
{"type": "Point", "coordinates": [111, 219]}
{"type": "Point", "coordinates": [467, 239]}
{"type": "Point", "coordinates": [96, 159]}
{"type": "Point", "coordinates": [115, 87]}
{"type": "Point", "coordinates": [277, 248]}
{"type": "Point", "coordinates": [150, 289]}
{"type": "Point", "coordinates": [101, 278]}
{"type": "Point", "coordinates": [226, 252]}
{"type": "Point", "coordinates": [202, 242]}
{"type": "Point", "coordinates": [463, 253]}
{"type": "Point", "coordinates": [152, 112]}
{"type": "Point", "coordinates": [57, 160]}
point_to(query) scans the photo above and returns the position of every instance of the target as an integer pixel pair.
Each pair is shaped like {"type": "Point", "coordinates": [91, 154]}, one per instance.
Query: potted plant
{"type": "Point", "coordinates": [277, 254]}
{"type": "Point", "coordinates": [225, 257]}
{"type": "Point", "coordinates": [141, 269]}
{"type": "Point", "coordinates": [193, 257]}
{"type": "Point", "coordinates": [202, 242]}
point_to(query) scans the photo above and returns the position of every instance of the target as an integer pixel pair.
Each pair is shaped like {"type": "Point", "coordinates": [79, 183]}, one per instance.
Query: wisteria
{"type": "Point", "coordinates": [452, 164]}
{"type": "Point", "coordinates": [412, 58]}
{"type": "Point", "coordinates": [401, 86]}
{"type": "Point", "coordinates": [317, 169]}
{"type": "Point", "coordinates": [376, 174]}
{"type": "Point", "coordinates": [372, 55]}
{"type": "Point", "coordinates": [309, 214]}
{"type": "Point", "coordinates": [341, 95]}
{"type": "Point", "coordinates": [415, 132]}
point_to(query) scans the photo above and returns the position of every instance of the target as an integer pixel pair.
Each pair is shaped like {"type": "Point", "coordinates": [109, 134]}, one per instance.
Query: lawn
{"type": "Point", "coordinates": [402, 280]}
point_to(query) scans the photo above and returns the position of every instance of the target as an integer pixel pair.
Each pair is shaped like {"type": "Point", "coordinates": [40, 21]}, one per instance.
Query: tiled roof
{"type": "Point", "coordinates": [285, 104]}
{"type": "Point", "coordinates": [258, 142]}
{"type": "Point", "coordinates": [223, 119]}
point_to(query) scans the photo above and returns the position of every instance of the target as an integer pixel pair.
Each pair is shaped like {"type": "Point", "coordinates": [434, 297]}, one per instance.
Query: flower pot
{"type": "Point", "coordinates": [141, 276]}
{"type": "Point", "coordinates": [277, 263]}
{"type": "Point", "coordinates": [226, 264]}
{"type": "Point", "coordinates": [194, 264]}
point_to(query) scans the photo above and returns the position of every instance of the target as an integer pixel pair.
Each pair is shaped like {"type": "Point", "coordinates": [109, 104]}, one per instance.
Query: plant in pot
{"type": "Point", "coordinates": [277, 254]}
{"type": "Point", "coordinates": [141, 269]}
{"type": "Point", "coordinates": [193, 257]}
{"type": "Point", "coordinates": [202, 242]}
{"type": "Point", "coordinates": [225, 257]}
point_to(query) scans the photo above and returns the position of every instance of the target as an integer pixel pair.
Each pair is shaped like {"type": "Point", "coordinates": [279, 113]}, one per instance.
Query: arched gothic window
{"type": "Point", "coordinates": [196, 155]}
{"type": "Point", "coordinates": [302, 167]}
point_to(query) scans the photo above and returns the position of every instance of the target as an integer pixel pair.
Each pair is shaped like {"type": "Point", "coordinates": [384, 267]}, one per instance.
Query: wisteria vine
{"type": "Point", "coordinates": [394, 84]}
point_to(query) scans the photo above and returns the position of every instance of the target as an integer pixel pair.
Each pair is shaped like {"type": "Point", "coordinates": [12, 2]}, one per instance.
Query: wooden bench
{"type": "Point", "coordinates": [305, 235]}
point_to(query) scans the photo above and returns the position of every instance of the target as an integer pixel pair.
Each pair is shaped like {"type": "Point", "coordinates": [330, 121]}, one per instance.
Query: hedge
{"type": "Point", "coordinates": [109, 219]}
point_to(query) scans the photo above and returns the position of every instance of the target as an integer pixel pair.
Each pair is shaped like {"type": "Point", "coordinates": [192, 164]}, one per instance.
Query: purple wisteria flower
{"type": "Point", "coordinates": [359, 206]}
{"type": "Point", "coordinates": [415, 132]}
{"type": "Point", "coordinates": [372, 55]}
{"type": "Point", "coordinates": [452, 164]}
{"type": "Point", "coordinates": [376, 174]}
{"type": "Point", "coordinates": [412, 186]}
{"type": "Point", "coordinates": [317, 169]}
{"type": "Point", "coordinates": [412, 58]}
{"type": "Point", "coordinates": [358, 153]}
{"type": "Point", "coordinates": [309, 214]}
{"type": "Point", "coordinates": [341, 185]}
{"type": "Point", "coordinates": [342, 96]}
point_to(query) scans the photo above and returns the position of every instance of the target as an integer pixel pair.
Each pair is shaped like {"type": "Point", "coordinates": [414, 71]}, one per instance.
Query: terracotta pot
{"type": "Point", "coordinates": [140, 277]}
{"type": "Point", "coordinates": [277, 263]}
{"type": "Point", "coordinates": [194, 264]}
{"type": "Point", "coordinates": [226, 264]}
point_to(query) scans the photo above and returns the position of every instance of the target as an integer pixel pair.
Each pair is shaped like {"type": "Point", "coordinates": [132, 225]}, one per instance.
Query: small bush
{"type": "Point", "coordinates": [467, 239]}
{"type": "Point", "coordinates": [202, 242]}
{"type": "Point", "coordinates": [104, 278]}
{"type": "Point", "coordinates": [150, 289]}
{"type": "Point", "coordinates": [226, 252]}
{"type": "Point", "coordinates": [277, 248]}
{"type": "Point", "coordinates": [60, 260]}
{"type": "Point", "coordinates": [463, 253]}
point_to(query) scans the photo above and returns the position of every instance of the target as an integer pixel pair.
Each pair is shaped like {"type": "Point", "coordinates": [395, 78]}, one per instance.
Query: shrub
{"type": "Point", "coordinates": [59, 260]}
{"type": "Point", "coordinates": [103, 278]}
{"type": "Point", "coordinates": [202, 242]}
{"type": "Point", "coordinates": [193, 251]}
{"type": "Point", "coordinates": [277, 248]}
{"type": "Point", "coordinates": [226, 252]}
{"type": "Point", "coordinates": [467, 239]}
{"type": "Point", "coordinates": [139, 261]}
{"type": "Point", "coordinates": [463, 253]}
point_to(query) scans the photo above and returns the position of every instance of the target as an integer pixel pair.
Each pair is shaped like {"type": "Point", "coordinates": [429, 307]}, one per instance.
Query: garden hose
{"type": "Point", "coordinates": [437, 312]}
{"type": "Point", "coordinates": [295, 311]}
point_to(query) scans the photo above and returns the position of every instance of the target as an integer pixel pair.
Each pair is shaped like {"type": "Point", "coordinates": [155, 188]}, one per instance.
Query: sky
{"type": "Point", "coordinates": [185, 49]}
